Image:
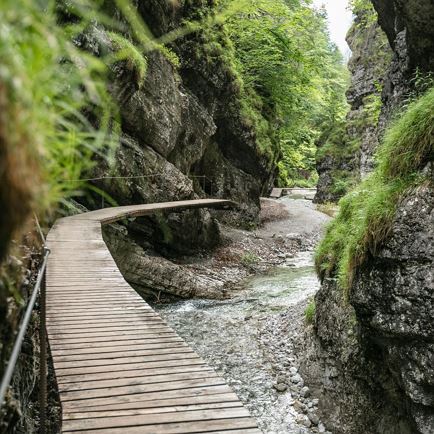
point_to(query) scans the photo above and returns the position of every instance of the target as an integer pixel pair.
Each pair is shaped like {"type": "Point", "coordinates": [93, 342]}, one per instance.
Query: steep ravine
{"type": "Point", "coordinates": [370, 358]}
{"type": "Point", "coordinates": [346, 158]}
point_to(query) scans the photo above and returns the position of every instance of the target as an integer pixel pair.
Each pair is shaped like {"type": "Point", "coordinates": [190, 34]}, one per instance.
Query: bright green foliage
{"type": "Point", "coordinates": [249, 259]}
{"type": "Point", "coordinates": [309, 312]}
{"type": "Point", "coordinates": [45, 97]}
{"type": "Point", "coordinates": [366, 214]}
{"type": "Point", "coordinates": [285, 59]}
{"type": "Point", "coordinates": [126, 51]}
{"type": "Point", "coordinates": [58, 110]}
{"type": "Point", "coordinates": [365, 11]}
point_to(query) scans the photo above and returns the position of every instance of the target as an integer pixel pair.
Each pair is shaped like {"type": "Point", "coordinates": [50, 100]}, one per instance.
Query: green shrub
{"type": "Point", "coordinates": [309, 312]}
{"type": "Point", "coordinates": [249, 259]}
{"type": "Point", "coordinates": [366, 214]}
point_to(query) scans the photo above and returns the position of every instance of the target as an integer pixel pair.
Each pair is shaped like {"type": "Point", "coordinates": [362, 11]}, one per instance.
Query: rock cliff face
{"type": "Point", "coordinates": [348, 156]}
{"type": "Point", "coordinates": [371, 359]}
{"type": "Point", "coordinates": [373, 356]}
{"type": "Point", "coordinates": [183, 137]}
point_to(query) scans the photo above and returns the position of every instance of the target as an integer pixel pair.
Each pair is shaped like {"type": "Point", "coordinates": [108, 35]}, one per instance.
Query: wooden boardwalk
{"type": "Point", "coordinates": [119, 367]}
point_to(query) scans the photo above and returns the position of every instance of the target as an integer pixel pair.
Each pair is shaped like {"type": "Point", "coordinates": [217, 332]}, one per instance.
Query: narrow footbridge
{"type": "Point", "coordinates": [119, 367]}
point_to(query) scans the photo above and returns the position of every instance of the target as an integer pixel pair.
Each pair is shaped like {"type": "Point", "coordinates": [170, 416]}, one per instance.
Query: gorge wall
{"type": "Point", "coordinates": [183, 137]}
{"type": "Point", "coordinates": [347, 154]}
{"type": "Point", "coordinates": [371, 358]}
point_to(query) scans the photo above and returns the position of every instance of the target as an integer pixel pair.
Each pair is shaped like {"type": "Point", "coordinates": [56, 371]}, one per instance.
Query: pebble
{"type": "Point", "coordinates": [313, 418]}
{"type": "Point", "coordinates": [307, 423]}
{"type": "Point", "coordinates": [305, 392]}
{"type": "Point", "coordinates": [281, 379]}
{"type": "Point", "coordinates": [281, 387]}
{"type": "Point", "coordinates": [293, 370]}
{"type": "Point", "coordinates": [321, 428]}
{"type": "Point", "coordinates": [296, 378]}
{"type": "Point", "coordinates": [298, 405]}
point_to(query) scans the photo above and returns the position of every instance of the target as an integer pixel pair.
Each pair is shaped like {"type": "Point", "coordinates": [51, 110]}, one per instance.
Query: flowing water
{"type": "Point", "coordinates": [227, 334]}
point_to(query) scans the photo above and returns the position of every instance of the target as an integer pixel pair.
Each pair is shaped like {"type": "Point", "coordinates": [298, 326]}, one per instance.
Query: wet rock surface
{"type": "Point", "coordinates": [182, 136]}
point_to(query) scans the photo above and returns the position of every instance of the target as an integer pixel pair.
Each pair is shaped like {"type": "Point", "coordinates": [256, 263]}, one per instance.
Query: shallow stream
{"type": "Point", "coordinates": [227, 334]}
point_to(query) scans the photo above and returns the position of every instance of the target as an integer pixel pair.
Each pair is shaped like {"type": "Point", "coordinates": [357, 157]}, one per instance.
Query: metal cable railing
{"type": "Point", "coordinates": [22, 329]}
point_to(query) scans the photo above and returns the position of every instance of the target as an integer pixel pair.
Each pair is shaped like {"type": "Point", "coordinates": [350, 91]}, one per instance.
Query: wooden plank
{"type": "Point", "coordinates": [101, 306]}
{"type": "Point", "coordinates": [217, 396]}
{"type": "Point", "coordinates": [113, 337]}
{"type": "Point", "coordinates": [178, 369]}
{"type": "Point", "coordinates": [118, 343]}
{"type": "Point", "coordinates": [144, 314]}
{"type": "Point", "coordinates": [276, 193]}
{"type": "Point", "coordinates": [87, 396]}
{"type": "Point", "coordinates": [123, 310]}
{"type": "Point", "coordinates": [128, 349]}
{"type": "Point", "coordinates": [210, 426]}
{"type": "Point", "coordinates": [143, 411]}
{"type": "Point", "coordinates": [89, 323]}
{"type": "Point", "coordinates": [117, 362]}
{"type": "Point", "coordinates": [192, 360]}
{"type": "Point", "coordinates": [142, 397]}
{"type": "Point", "coordinates": [136, 381]}
{"type": "Point", "coordinates": [117, 331]}
{"type": "Point", "coordinates": [120, 357]}
{"type": "Point", "coordinates": [153, 419]}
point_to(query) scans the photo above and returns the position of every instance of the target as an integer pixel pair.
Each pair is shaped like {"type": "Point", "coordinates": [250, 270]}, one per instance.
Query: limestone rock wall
{"type": "Point", "coordinates": [371, 357]}
{"type": "Point", "coordinates": [351, 155]}
{"type": "Point", "coordinates": [183, 137]}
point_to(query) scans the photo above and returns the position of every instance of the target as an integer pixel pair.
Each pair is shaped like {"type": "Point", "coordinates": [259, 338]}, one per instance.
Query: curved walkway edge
{"type": "Point", "coordinates": [119, 367]}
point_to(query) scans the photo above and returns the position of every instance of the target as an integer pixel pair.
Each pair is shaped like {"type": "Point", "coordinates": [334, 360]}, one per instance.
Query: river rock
{"type": "Point", "coordinates": [296, 379]}
{"type": "Point", "coordinates": [313, 418]}
{"type": "Point", "coordinates": [305, 392]}
{"type": "Point", "coordinates": [280, 387]}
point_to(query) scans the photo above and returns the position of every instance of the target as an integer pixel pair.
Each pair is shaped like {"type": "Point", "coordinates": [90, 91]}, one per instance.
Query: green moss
{"type": "Point", "coordinates": [164, 227]}
{"type": "Point", "coordinates": [170, 55]}
{"type": "Point", "coordinates": [372, 108]}
{"type": "Point", "coordinates": [366, 214]}
{"type": "Point", "coordinates": [128, 52]}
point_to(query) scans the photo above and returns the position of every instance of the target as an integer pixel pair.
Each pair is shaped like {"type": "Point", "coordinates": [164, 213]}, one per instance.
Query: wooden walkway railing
{"type": "Point", "coordinates": [119, 367]}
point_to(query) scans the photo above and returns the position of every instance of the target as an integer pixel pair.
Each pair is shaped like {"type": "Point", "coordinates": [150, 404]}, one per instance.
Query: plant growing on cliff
{"type": "Point", "coordinates": [309, 312]}
{"type": "Point", "coordinates": [366, 214]}
{"type": "Point", "coordinates": [126, 51]}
